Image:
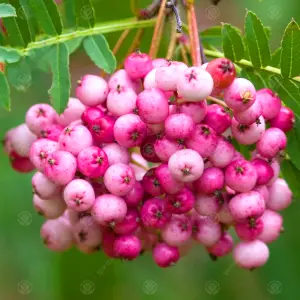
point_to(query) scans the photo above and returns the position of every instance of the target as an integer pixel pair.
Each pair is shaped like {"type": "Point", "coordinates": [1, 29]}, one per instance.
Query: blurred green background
{"type": "Point", "coordinates": [30, 271]}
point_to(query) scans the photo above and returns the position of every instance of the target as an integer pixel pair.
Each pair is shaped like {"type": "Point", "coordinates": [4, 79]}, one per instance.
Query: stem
{"type": "Point", "coordinates": [158, 30]}
{"type": "Point", "coordinates": [177, 16]}
{"type": "Point", "coordinates": [173, 40]}
{"type": "Point", "coordinates": [133, 7]}
{"type": "Point", "coordinates": [216, 100]}
{"type": "Point", "coordinates": [138, 164]}
{"type": "Point", "coordinates": [184, 55]}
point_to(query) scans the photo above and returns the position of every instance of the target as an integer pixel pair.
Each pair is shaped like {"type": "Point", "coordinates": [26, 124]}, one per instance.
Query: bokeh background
{"type": "Point", "coordinates": [29, 271]}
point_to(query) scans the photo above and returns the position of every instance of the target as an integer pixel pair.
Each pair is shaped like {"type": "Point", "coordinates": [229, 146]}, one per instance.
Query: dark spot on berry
{"type": "Point", "coordinates": [156, 182]}
{"type": "Point", "coordinates": [82, 236]}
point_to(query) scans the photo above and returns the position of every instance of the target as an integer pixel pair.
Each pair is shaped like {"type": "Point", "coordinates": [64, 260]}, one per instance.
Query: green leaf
{"type": "Point", "coordinates": [6, 10]}
{"type": "Point", "coordinates": [74, 44]}
{"type": "Point", "coordinates": [257, 41]}
{"type": "Point", "coordinates": [40, 58]}
{"type": "Point", "coordinates": [14, 33]}
{"type": "Point", "coordinates": [211, 36]}
{"type": "Point", "coordinates": [255, 77]}
{"type": "Point", "coordinates": [291, 174]}
{"type": "Point", "coordinates": [233, 45]}
{"type": "Point", "coordinates": [98, 50]}
{"type": "Point", "coordinates": [61, 85]}
{"type": "Point", "coordinates": [268, 32]}
{"type": "Point", "coordinates": [26, 13]}
{"type": "Point", "coordinates": [85, 13]}
{"type": "Point", "coordinates": [47, 15]}
{"type": "Point", "coordinates": [5, 92]}
{"type": "Point", "coordinates": [9, 55]}
{"type": "Point", "coordinates": [215, 31]}
{"type": "Point", "coordinates": [290, 58]}
{"type": "Point", "coordinates": [275, 62]}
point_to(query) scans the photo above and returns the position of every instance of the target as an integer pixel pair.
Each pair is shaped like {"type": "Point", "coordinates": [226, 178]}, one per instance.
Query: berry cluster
{"type": "Point", "coordinates": [142, 162]}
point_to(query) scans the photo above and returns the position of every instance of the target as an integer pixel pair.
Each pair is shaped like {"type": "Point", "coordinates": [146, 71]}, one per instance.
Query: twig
{"type": "Point", "coordinates": [138, 164]}
{"type": "Point", "coordinates": [218, 101]}
{"type": "Point", "coordinates": [177, 16]}
{"type": "Point", "coordinates": [184, 55]}
{"type": "Point", "coordinates": [134, 8]}
{"type": "Point", "coordinates": [173, 40]}
{"type": "Point", "coordinates": [120, 41]}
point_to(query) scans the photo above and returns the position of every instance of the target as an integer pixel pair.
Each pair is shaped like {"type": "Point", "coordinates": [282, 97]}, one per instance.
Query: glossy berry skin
{"type": "Point", "coordinates": [154, 213]}
{"type": "Point", "coordinates": [148, 149]}
{"type": "Point", "coordinates": [21, 164]}
{"type": "Point", "coordinates": [223, 247]}
{"type": "Point", "coordinates": [151, 183]}
{"type": "Point", "coordinates": [130, 130]}
{"type": "Point", "coordinates": [222, 71]}
{"type": "Point", "coordinates": [250, 115]}
{"type": "Point", "coordinates": [272, 226]}
{"type": "Point", "coordinates": [264, 171]}
{"type": "Point", "coordinates": [129, 224]}
{"type": "Point", "coordinates": [280, 195]}
{"type": "Point", "coordinates": [240, 95]}
{"type": "Point", "coordinates": [269, 102]}
{"type": "Point", "coordinates": [138, 65]}
{"type": "Point", "coordinates": [51, 208]}
{"type": "Point", "coordinates": [196, 110]}
{"type": "Point", "coordinates": [152, 106]}
{"type": "Point", "coordinates": [91, 114]}
{"type": "Point", "coordinates": [181, 202]}
{"type": "Point", "coordinates": [164, 255]}
{"type": "Point", "coordinates": [43, 187]}
{"type": "Point", "coordinates": [102, 129]}
{"type": "Point", "coordinates": [284, 120]}
{"type": "Point", "coordinates": [127, 247]}
{"type": "Point", "coordinates": [217, 118]}
{"type": "Point", "coordinates": [211, 180]}
{"type": "Point", "coordinates": [92, 90]}
{"type": "Point", "coordinates": [135, 196]}
{"type": "Point", "coordinates": [51, 132]}
{"type": "Point", "coordinates": [250, 229]}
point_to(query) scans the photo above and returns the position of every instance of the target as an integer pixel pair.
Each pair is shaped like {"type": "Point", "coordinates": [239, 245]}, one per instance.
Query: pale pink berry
{"type": "Point", "coordinates": [272, 226]}
{"type": "Point", "coordinates": [73, 112]}
{"type": "Point", "coordinates": [165, 256]}
{"type": "Point", "coordinates": [159, 62]}
{"type": "Point", "coordinates": [209, 205]}
{"type": "Point", "coordinates": [168, 183]}
{"type": "Point", "coordinates": [240, 95]}
{"type": "Point", "coordinates": [211, 180]}
{"type": "Point", "coordinates": [276, 168]}
{"type": "Point", "coordinates": [92, 162]}
{"type": "Point", "coordinates": [151, 183]}
{"type": "Point", "coordinates": [186, 165]}
{"type": "Point", "coordinates": [39, 116]}
{"type": "Point", "coordinates": [248, 134]}
{"type": "Point", "coordinates": [264, 171]}
{"type": "Point", "coordinates": [135, 196]}
{"type": "Point", "coordinates": [130, 130]}
{"type": "Point", "coordinates": [92, 90]}
{"type": "Point", "coordinates": [272, 141]}
{"type": "Point", "coordinates": [51, 208]}
{"type": "Point", "coordinates": [217, 118]}
{"type": "Point", "coordinates": [263, 190]}
{"type": "Point", "coordinates": [247, 205]}
{"type": "Point", "coordinates": [154, 213]}
{"type": "Point", "coordinates": [284, 120]}
{"type": "Point", "coordinates": [194, 84]}
{"type": "Point", "coordinates": [120, 78]}
{"type": "Point", "coordinates": [177, 231]}
{"type": "Point", "coordinates": [138, 158]}
{"type": "Point", "coordinates": [119, 179]}
{"type": "Point", "coordinates": [269, 102]}
{"type": "Point", "coordinates": [203, 140]}
{"type": "Point", "coordinates": [280, 195]}
{"type": "Point", "coordinates": [181, 202]}
{"type": "Point", "coordinates": [152, 105]}
{"type": "Point", "coordinates": [224, 215]}
{"type": "Point", "coordinates": [22, 139]}
{"type": "Point", "coordinates": [129, 224]}
{"type": "Point", "coordinates": [43, 187]}
{"type": "Point", "coordinates": [40, 151]}
{"type": "Point", "coordinates": [60, 167]}
{"type": "Point", "coordinates": [7, 146]}
{"type": "Point", "coordinates": [196, 110]}
{"type": "Point", "coordinates": [251, 255]}
{"type": "Point", "coordinates": [223, 247]}
{"type": "Point", "coordinates": [149, 80]}
{"type": "Point", "coordinates": [75, 138]}
{"type": "Point", "coordinates": [57, 235]}
{"type": "Point", "coordinates": [138, 65]}
{"type": "Point", "coordinates": [166, 77]}
{"type": "Point", "coordinates": [109, 209]}
{"type": "Point", "coordinates": [250, 229]}
{"type": "Point", "coordinates": [250, 115]}
{"type": "Point", "coordinates": [116, 154]}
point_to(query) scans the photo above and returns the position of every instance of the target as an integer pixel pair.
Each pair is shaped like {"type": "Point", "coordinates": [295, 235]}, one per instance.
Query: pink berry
{"type": "Point", "coordinates": [148, 239]}
{"type": "Point", "coordinates": [50, 208]}
{"type": "Point", "coordinates": [148, 149]}
{"type": "Point", "coordinates": [159, 62]}
{"type": "Point", "coordinates": [7, 146]}
{"type": "Point", "coordinates": [92, 90]}
{"type": "Point", "coordinates": [211, 180]}
{"type": "Point", "coordinates": [240, 95]}
{"type": "Point", "coordinates": [249, 229]}
{"type": "Point", "coordinates": [21, 164]}
{"type": "Point", "coordinates": [154, 213]}
{"type": "Point", "coordinates": [280, 195]}
{"type": "Point", "coordinates": [181, 202]}
{"type": "Point", "coordinates": [127, 247]}
{"type": "Point", "coordinates": [151, 183]}
{"type": "Point", "coordinates": [186, 165]}
{"type": "Point", "coordinates": [209, 205]}
{"type": "Point", "coordinates": [138, 65]}
{"type": "Point", "coordinates": [264, 171]}
{"type": "Point", "coordinates": [75, 138]}
{"type": "Point", "coordinates": [247, 205]}
{"type": "Point", "coordinates": [152, 106]}
{"type": "Point", "coordinates": [272, 226]}
{"type": "Point", "coordinates": [102, 129]}
{"type": "Point", "coordinates": [248, 134]}
{"type": "Point", "coordinates": [196, 110]}
{"type": "Point", "coordinates": [165, 256]}
{"type": "Point", "coordinates": [276, 168]}
{"type": "Point", "coordinates": [284, 120]}
{"type": "Point", "coordinates": [251, 255]}
{"type": "Point", "coordinates": [109, 209]}
{"type": "Point", "coordinates": [92, 162]}
{"type": "Point", "coordinates": [135, 196]}
{"type": "Point", "coordinates": [224, 215]}
{"type": "Point", "coordinates": [263, 190]}
{"type": "Point", "coordinates": [57, 235]}
{"type": "Point", "coordinates": [120, 78]}
{"type": "Point", "coordinates": [203, 140]}
{"type": "Point", "coordinates": [177, 231]}
{"type": "Point", "coordinates": [72, 112]}
{"type": "Point", "coordinates": [194, 84]}
{"type": "Point", "coordinates": [155, 128]}
{"type": "Point", "coordinates": [116, 154]}
{"type": "Point", "coordinates": [119, 179]}
{"type": "Point", "coordinates": [250, 115]}
{"type": "Point", "coordinates": [40, 151]}
{"type": "Point", "coordinates": [43, 187]}
{"type": "Point", "coordinates": [51, 132]}
{"type": "Point", "coordinates": [149, 80]}
{"type": "Point", "coordinates": [223, 247]}
{"type": "Point", "coordinates": [271, 142]}
{"type": "Point", "coordinates": [217, 118]}
{"type": "Point", "coordinates": [91, 114]}
{"type": "Point", "coordinates": [130, 130]}
{"type": "Point", "coordinates": [108, 240]}
{"type": "Point", "coordinates": [60, 167]}
{"type": "Point", "coordinates": [129, 224]}
{"type": "Point", "coordinates": [39, 116]}
{"type": "Point", "coordinates": [269, 102]}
